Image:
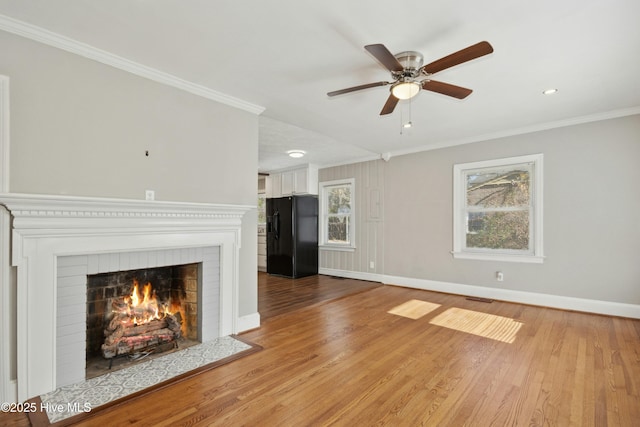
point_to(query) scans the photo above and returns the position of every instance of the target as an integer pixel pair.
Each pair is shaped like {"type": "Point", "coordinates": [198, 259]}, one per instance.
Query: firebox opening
{"type": "Point", "coordinates": [135, 315]}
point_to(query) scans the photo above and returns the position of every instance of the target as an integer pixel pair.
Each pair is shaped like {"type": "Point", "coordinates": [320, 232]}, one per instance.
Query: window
{"type": "Point", "coordinates": [498, 209]}
{"type": "Point", "coordinates": [337, 228]}
{"type": "Point", "coordinates": [262, 209]}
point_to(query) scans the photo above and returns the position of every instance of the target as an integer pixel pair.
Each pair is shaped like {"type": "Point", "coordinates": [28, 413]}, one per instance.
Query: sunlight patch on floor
{"type": "Point", "coordinates": [414, 309]}
{"type": "Point", "coordinates": [474, 322]}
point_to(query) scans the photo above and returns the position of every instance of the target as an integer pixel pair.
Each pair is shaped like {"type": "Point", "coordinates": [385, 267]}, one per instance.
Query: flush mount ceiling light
{"type": "Point", "coordinates": [405, 89]}
{"type": "Point", "coordinates": [549, 91]}
{"type": "Point", "coordinates": [296, 154]}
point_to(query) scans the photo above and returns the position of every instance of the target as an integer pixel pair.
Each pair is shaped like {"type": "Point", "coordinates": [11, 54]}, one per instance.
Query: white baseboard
{"type": "Point", "coordinates": [360, 275]}
{"type": "Point", "coordinates": [248, 322]}
{"type": "Point", "coordinates": [532, 298]}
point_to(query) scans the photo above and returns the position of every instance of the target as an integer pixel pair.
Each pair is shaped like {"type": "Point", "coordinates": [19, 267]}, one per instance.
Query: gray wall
{"type": "Point", "coordinates": [79, 127]}
{"type": "Point", "coordinates": [591, 206]}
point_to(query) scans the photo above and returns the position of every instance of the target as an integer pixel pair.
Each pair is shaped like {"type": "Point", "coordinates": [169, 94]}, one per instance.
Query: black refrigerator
{"type": "Point", "coordinates": [292, 236]}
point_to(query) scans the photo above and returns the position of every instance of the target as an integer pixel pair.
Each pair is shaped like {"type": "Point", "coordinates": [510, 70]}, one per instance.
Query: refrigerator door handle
{"type": "Point", "coordinates": [276, 224]}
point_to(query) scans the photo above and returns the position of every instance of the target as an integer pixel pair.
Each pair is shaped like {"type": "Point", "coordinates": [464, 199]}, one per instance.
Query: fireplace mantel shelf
{"type": "Point", "coordinates": [38, 205]}
{"type": "Point", "coordinates": [48, 227]}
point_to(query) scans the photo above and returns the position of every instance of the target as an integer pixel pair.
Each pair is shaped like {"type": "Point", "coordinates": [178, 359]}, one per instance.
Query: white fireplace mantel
{"type": "Point", "coordinates": [45, 227]}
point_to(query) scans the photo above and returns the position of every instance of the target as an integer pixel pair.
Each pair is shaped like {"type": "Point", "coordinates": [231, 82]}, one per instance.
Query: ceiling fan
{"type": "Point", "coordinates": [410, 76]}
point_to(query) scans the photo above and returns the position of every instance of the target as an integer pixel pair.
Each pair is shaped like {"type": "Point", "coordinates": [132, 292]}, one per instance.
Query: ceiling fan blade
{"type": "Point", "coordinates": [464, 55]}
{"type": "Point", "coordinates": [355, 88]}
{"type": "Point", "coordinates": [390, 105]}
{"type": "Point", "coordinates": [446, 89]}
{"type": "Point", "coordinates": [385, 57]}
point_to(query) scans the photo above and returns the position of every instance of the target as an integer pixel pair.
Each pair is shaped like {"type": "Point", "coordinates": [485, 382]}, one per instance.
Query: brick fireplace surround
{"type": "Point", "coordinates": [48, 230]}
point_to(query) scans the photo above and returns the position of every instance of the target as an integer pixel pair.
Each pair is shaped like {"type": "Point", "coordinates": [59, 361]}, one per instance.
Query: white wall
{"type": "Point", "coordinates": [590, 215]}
{"type": "Point", "coordinates": [79, 127]}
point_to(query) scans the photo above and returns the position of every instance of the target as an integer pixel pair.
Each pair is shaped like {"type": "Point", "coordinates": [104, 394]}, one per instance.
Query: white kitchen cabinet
{"type": "Point", "coordinates": [288, 179]}
{"type": "Point", "coordinates": [273, 187]}
{"type": "Point", "coordinates": [306, 180]}
{"type": "Point", "coordinates": [293, 181]}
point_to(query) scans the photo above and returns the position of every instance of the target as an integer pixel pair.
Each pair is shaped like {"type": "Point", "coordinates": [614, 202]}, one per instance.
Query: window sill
{"type": "Point", "coordinates": [530, 259]}
{"type": "Point", "coordinates": [337, 248]}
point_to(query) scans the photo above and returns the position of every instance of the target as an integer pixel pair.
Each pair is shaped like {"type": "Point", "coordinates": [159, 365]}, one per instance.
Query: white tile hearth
{"type": "Point", "coordinates": [81, 397]}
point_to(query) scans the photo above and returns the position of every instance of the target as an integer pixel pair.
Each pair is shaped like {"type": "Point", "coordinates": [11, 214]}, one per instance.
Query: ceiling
{"type": "Point", "coordinates": [285, 55]}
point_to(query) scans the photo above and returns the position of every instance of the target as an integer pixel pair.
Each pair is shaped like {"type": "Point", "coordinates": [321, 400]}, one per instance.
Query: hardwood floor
{"type": "Point", "coordinates": [349, 362]}
{"type": "Point", "coordinates": [279, 295]}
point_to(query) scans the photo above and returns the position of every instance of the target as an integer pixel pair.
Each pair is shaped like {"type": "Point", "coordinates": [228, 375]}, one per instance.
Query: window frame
{"type": "Point", "coordinates": [324, 216]}
{"type": "Point", "coordinates": [262, 209]}
{"type": "Point", "coordinates": [460, 212]}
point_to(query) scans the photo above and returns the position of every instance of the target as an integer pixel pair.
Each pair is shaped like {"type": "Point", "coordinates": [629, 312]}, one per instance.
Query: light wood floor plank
{"type": "Point", "coordinates": [337, 357]}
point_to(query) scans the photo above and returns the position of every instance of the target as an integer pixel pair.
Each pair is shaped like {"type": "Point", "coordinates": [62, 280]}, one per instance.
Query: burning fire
{"type": "Point", "coordinates": [141, 322]}
{"type": "Point", "coordinates": [142, 305]}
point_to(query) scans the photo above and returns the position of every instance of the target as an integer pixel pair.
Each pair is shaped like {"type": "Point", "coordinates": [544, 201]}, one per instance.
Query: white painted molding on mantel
{"type": "Point", "coordinates": [609, 308]}
{"type": "Point", "coordinates": [59, 41]}
{"type": "Point", "coordinates": [38, 210]}
{"type": "Point", "coordinates": [46, 227]}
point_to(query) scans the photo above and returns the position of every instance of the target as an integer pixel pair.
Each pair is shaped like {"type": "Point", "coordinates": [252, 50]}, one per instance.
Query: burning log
{"type": "Point", "coordinates": [114, 324]}
{"type": "Point", "coordinates": [174, 323]}
{"type": "Point", "coordinates": [137, 324]}
{"type": "Point", "coordinates": [135, 338]}
{"type": "Point", "coordinates": [145, 328]}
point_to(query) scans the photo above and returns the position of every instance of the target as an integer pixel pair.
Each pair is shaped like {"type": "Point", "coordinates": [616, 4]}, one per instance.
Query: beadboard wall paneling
{"type": "Point", "coordinates": [369, 198]}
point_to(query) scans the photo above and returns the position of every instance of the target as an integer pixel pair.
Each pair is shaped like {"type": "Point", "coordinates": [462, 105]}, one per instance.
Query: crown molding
{"type": "Point", "coordinates": [607, 115]}
{"type": "Point", "coordinates": [59, 41]}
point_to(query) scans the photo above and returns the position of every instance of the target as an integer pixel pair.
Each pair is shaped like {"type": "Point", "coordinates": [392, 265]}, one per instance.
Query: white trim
{"type": "Point", "coordinates": [480, 256]}
{"type": "Point", "coordinates": [336, 248]}
{"type": "Point", "coordinates": [8, 387]}
{"type": "Point", "coordinates": [322, 199]}
{"type": "Point", "coordinates": [359, 275]}
{"type": "Point", "coordinates": [609, 308]}
{"type": "Point", "coordinates": [248, 322]}
{"type": "Point", "coordinates": [607, 115]}
{"type": "Point", "coordinates": [46, 227]}
{"type": "Point", "coordinates": [42, 211]}
{"type": "Point", "coordinates": [537, 252]}
{"type": "Point", "coordinates": [59, 41]}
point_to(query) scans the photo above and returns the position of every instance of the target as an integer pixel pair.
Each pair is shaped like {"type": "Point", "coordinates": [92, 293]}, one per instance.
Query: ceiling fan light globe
{"type": "Point", "coordinates": [405, 90]}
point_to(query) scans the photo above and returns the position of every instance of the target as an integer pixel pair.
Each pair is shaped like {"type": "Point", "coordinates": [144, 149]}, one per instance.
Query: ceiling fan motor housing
{"type": "Point", "coordinates": [411, 61]}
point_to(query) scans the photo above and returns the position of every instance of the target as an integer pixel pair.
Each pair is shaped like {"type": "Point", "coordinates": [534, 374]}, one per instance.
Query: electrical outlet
{"type": "Point", "coordinates": [372, 264]}
{"type": "Point", "coordinates": [499, 276]}
{"type": "Point", "coordinates": [149, 195]}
